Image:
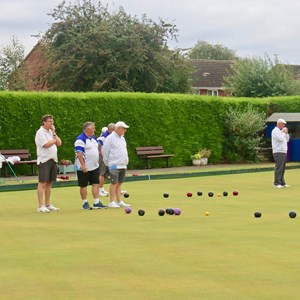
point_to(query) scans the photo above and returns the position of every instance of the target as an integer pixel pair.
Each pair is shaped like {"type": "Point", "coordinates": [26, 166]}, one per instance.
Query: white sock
{"type": "Point", "coordinates": [84, 200]}
{"type": "Point", "coordinates": [96, 201]}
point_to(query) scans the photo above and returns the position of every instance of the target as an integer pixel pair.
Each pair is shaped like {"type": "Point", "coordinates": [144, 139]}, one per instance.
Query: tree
{"type": "Point", "coordinates": [11, 56]}
{"type": "Point", "coordinates": [261, 77]}
{"type": "Point", "coordinates": [90, 49]}
{"type": "Point", "coordinates": [205, 50]}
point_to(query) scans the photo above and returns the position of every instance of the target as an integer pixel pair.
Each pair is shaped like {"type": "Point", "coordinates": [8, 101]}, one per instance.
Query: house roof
{"type": "Point", "coordinates": [289, 117]}
{"type": "Point", "coordinates": [210, 73]}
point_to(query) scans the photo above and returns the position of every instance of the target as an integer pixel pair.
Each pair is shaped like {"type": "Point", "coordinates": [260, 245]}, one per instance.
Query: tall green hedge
{"type": "Point", "coordinates": [182, 124]}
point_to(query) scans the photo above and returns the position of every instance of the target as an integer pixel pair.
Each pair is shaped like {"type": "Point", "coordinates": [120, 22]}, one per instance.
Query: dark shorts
{"type": "Point", "coordinates": [103, 169]}
{"type": "Point", "coordinates": [117, 176]}
{"type": "Point", "coordinates": [90, 177]}
{"type": "Point", "coordinates": [47, 171]}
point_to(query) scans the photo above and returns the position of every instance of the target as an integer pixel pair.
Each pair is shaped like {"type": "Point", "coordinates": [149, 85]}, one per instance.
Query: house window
{"type": "Point", "coordinates": [212, 92]}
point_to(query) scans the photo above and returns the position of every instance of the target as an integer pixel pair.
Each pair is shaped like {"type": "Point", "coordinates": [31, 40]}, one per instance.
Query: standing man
{"type": "Point", "coordinates": [46, 141]}
{"type": "Point", "coordinates": [87, 164]}
{"type": "Point", "coordinates": [103, 168]}
{"type": "Point", "coordinates": [115, 156]}
{"type": "Point", "coordinates": [280, 138]}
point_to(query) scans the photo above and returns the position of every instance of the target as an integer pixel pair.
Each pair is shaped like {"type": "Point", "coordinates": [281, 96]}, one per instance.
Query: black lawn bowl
{"type": "Point", "coordinates": [171, 211]}
{"type": "Point", "coordinates": [225, 194]}
{"type": "Point", "coordinates": [161, 212]}
{"type": "Point", "coordinates": [292, 214]}
{"type": "Point", "coordinates": [126, 195]}
{"type": "Point", "coordinates": [141, 212]}
{"type": "Point", "coordinates": [210, 194]}
{"type": "Point", "coordinates": [166, 195]}
{"type": "Point", "coordinates": [257, 214]}
{"type": "Point", "coordinates": [199, 193]}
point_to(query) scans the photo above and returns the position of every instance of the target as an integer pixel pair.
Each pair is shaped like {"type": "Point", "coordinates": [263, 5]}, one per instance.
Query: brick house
{"type": "Point", "coordinates": [33, 70]}
{"type": "Point", "coordinates": [208, 78]}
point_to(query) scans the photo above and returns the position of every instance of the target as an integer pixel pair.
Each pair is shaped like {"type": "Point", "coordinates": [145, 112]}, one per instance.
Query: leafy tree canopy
{"type": "Point", "coordinates": [261, 77]}
{"type": "Point", "coordinates": [11, 56]}
{"type": "Point", "coordinates": [205, 50]}
{"type": "Point", "coordinates": [91, 49]}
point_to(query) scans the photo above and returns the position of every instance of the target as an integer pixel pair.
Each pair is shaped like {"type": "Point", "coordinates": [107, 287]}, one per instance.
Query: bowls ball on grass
{"type": "Point", "coordinates": [177, 211]}
{"type": "Point", "coordinates": [128, 210]}
{"type": "Point", "coordinates": [199, 193]}
{"type": "Point", "coordinates": [189, 194]}
{"type": "Point", "coordinates": [161, 212]}
{"type": "Point", "coordinates": [166, 195]}
{"type": "Point", "coordinates": [141, 212]}
{"type": "Point", "coordinates": [126, 195]}
{"type": "Point", "coordinates": [225, 194]}
{"type": "Point", "coordinates": [257, 214]}
{"type": "Point", "coordinates": [210, 194]}
{"type": "Point", "coordinates": [292, 214]}
{"type": "Point", "coordinates": [235, 193]}
{"type": "Point", "coordinates": [171, 211]}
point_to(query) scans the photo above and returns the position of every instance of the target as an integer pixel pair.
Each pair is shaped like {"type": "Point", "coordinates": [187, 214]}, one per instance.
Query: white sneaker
{"type": "Point", "coordinates": [103, 193]}
{"type": "Point", "coordinates": [113, 204]}
{"type": "Point", "coordinates": [278, 186]}
{"type": "Point", "coordinates": [286, 186]}
{"type": "Point", "coordinates": [43, 209]}
{"type": "Point", "coordinates": [52, 208]}
{"type": "Point", "coordinates": [123, 204]}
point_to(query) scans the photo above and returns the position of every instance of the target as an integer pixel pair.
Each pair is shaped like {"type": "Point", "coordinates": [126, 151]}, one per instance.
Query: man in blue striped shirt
{"type": "Point", "coordinates": [87, 164]}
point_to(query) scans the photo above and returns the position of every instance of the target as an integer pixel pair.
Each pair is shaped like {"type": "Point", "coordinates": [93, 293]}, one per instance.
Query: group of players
{"type": "Point", "coordinates": [95, 160]}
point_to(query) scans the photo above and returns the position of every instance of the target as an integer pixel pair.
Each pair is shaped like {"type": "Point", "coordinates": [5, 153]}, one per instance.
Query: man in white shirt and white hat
{"type": "Point", "coordinates": [280, 138]}
{"type": "Point", "coordinates": [115, 156]}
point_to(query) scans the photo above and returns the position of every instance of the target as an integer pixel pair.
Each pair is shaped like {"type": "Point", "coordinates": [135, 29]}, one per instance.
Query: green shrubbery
{"type": "Point", "coordinates": [243, 133]}
{"type": "Point", "coordinates": [183, 124]}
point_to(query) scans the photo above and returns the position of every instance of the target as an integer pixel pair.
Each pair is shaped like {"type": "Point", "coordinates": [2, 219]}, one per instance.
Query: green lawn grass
{"type": "Point", "coordinates": [106, 254]}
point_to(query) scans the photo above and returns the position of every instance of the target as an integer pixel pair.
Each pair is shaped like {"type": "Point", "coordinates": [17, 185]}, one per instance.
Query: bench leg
{"type": "Point", "coordinates": [168, 163]}
{"type": "Point", "coordinates": [148, 163]}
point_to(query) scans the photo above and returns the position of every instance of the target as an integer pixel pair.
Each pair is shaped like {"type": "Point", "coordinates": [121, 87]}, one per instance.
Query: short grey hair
{"type": "Point", "coordinates": [87, 125]}
{"type": "Point", "coordinates": [111, 126]}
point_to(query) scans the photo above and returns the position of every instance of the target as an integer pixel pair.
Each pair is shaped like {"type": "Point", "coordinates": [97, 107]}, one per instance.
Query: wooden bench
{"type": "Point", "coordinates": [24, 155]}
{"type": "Point", "coordinates": [153, 152]}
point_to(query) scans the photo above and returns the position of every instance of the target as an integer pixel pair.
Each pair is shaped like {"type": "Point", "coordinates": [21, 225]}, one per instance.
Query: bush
{"type": "Point", "coordinates": [243, 134]}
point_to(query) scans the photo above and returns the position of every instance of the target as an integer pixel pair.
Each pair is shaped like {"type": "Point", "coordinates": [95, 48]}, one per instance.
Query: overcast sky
{"type": "Point", "coordinates": [249, 27]}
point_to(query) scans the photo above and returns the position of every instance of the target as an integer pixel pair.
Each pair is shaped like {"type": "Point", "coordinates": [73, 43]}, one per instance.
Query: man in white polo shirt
{"type": "Point", "coordinates": [87, 164]}
{"type": "Point", "coordinates": [115, 156]}
{"type": "Point", "coordinates": [280, 138]}
{"type": "Point", "coordinates": [46, 141]}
